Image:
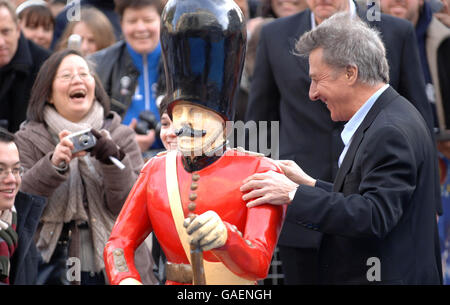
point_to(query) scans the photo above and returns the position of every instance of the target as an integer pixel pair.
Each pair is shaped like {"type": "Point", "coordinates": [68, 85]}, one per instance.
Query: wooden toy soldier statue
{"type": "Point", "coordinates": [190, 198]}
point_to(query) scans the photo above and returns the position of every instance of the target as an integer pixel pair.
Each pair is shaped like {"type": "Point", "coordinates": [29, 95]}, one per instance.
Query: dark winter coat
{"type": "Point", "coordinates": [24, 262]}
{"type": "Point", "coordinates": [17, 79]}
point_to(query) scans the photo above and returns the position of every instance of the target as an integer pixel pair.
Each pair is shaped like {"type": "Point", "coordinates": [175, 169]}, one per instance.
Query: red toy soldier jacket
{"type": "Point", "coordinates": [252, 232]}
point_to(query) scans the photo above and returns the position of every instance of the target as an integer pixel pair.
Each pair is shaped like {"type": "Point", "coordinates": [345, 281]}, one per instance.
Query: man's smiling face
{"type": "Point", "coordinates": [9, 182]}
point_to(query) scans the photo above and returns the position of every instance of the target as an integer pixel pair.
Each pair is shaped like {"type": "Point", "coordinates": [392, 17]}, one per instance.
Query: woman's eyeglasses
{"type": "Point", "coordinates": [68, 77]}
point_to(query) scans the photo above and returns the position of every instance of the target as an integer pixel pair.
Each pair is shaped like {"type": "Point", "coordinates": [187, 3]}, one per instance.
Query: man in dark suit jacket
{"type": "Point", "coordinates": [279, 92]}
{"type": "Point", "coordinates": [378, 218]}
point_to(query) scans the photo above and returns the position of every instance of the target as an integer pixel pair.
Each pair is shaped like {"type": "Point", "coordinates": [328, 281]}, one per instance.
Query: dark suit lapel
{"type": "Point", "coordinates": [383, 100]}
{"type": "Point", "coordinates": [304, 25]}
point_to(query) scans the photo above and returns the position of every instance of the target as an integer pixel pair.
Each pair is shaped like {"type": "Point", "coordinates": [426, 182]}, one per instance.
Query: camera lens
{"type": "Point", "coordinates": [84, 140]}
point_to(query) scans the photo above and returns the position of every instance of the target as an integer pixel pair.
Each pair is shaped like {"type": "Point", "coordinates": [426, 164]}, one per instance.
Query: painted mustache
{"type": "Point", "coordinates": [187, 131]}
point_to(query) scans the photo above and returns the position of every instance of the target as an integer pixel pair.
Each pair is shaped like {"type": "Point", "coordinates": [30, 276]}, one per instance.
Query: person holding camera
{"type": "Point", "coordinates": [67, 146]}
{"type": "Point", "coordinates": [131, 70]}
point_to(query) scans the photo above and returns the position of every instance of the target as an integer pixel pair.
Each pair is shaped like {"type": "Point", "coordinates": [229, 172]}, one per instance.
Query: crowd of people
{"type": "Point", "coordinates": [99, 72]}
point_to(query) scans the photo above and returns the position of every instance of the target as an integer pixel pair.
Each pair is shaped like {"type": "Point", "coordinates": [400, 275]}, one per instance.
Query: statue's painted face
{"type": "Point", "coordinates": [199, 130]}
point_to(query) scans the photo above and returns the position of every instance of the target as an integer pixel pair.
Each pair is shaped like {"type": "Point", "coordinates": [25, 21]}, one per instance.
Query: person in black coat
{"type": "Point", "coordinates": [19, 218]}
{"type": "Point", "coordinates": [19, 66]}
{"type": "Point", "coordinates": [24, 263]}
{"type": "Point", "coordinates": [279, 92]}
{"type": "Point", "coordinates": [379, 216]}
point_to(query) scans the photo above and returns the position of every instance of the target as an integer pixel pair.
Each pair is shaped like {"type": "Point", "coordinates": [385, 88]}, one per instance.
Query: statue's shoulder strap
{"type": "Point", "coordinates": [161, 153]}
{"type": "Point", "coordinates": [175, 199]}
{"type": "Point", "coordinates": [248, 152]}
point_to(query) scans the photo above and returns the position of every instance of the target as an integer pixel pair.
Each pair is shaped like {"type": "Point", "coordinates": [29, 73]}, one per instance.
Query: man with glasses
{"type": "Point", "coordinates": [19, 217]}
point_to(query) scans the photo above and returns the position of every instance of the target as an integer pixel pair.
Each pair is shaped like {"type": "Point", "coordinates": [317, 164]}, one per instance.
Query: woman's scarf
{"type": "Point", "coordinates": [83, 188]}
{"type": "Point", "coordinates": [8, 241]}
{"type": "Point", "coordinates": [56, 123]}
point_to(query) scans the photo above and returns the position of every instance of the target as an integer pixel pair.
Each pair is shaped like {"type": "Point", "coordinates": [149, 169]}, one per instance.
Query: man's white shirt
{"type": "Point", "coordinates": [356, 120]}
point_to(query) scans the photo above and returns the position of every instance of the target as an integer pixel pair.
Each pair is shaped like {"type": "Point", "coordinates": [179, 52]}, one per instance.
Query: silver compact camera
{"type": "Point", "coordinates": [82, 140]}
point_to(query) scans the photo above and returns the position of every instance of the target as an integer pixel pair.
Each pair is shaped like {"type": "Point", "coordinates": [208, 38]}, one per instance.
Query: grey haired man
{"type": "Point", "coordinates": [381, 207]}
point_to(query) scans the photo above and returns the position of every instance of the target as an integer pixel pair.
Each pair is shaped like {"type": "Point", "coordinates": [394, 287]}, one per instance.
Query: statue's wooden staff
{"type": "Point", "coordinates": [198, 272]}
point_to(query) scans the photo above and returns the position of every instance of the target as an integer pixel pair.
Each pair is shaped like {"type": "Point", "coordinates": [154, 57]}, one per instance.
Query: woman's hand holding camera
{"type": "Point", "coordinates": [63, 151]}
{"type": "Point", "coordinates": [105, 147]}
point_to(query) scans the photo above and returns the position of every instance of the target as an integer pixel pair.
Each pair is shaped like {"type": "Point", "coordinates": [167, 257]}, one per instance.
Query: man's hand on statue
{"type": "Point", "coordinates": [207, 231]}
{"type": "Point", "coordinates": [130, 281]}
{"type": "Point", "coordinates": [268, 188]}
{"type": "Point", "coordinates": [295, 173]}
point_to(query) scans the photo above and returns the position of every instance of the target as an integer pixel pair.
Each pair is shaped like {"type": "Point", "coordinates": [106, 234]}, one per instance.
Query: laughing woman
{"type": "Point", "coordinates": [85, 190]}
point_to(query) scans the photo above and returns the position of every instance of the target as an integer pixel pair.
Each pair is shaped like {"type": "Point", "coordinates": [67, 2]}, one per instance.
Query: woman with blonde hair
{"type": "Point", "coordinates": [94, 29]}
